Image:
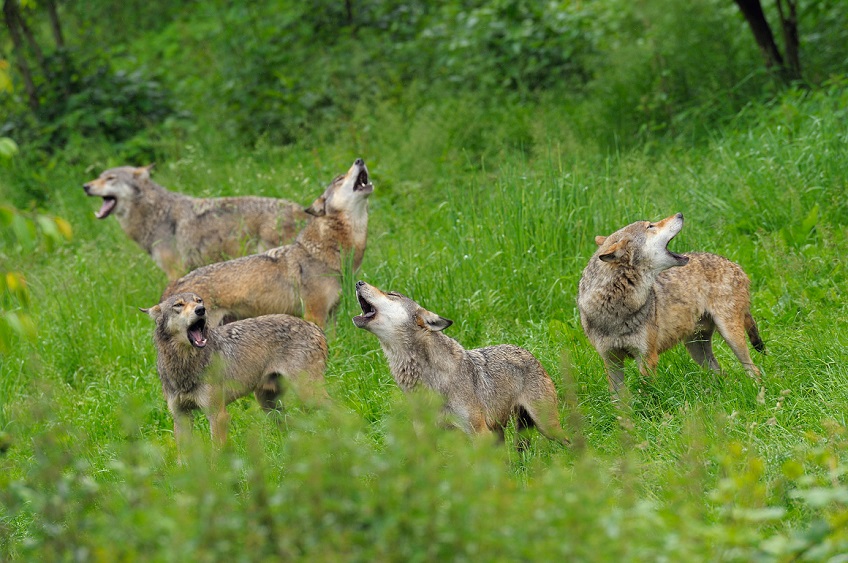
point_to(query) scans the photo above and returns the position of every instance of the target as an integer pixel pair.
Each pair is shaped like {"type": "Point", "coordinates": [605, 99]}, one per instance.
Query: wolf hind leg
{"type": "Point", "coordinates": [733, 332]}
{"type": "Point", "coordinates": [268, 393]}
{"type": "Point", "coordinates": [543, 414]}
{"type": "Point", "coordinates": [700, 347]}
{"type": "Point", "coordinates": [523, 422]}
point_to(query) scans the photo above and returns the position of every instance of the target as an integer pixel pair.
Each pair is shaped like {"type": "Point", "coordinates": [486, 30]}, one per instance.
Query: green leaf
{"type": "Point", "coordinates": [809, 222]}
{"type": "Point", "coordinates": [818, 497]}
{"type": "Point", "coordinates": [49, 228]}
{"type": "Point", "coordinates": [8, 148]}
{"type": "Point", "coordinates": [16, 284]}
{"type": "Point", "coordinates": [21, 323]}
{"type": "Point", "coordinates": [24, 231]}
{"type": "Point", "coordinates": [760, 514]}
{"type": "Point", "coordinates": [7, 214]}
{"type": "Point", "coordinates": [64, 227]}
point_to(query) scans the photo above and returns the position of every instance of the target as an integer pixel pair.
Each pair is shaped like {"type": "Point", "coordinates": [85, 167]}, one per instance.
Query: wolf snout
{"type": "Point", "coordinates": [200, 310]}
{"type": "Point", "coordinates": [86, 187]}
{"type": "Point", "coordinates": [679, 216]}
{"type": "Point", "coordinates": [359, 162]}
{"type": "Point", "coordinates": [360, 283]}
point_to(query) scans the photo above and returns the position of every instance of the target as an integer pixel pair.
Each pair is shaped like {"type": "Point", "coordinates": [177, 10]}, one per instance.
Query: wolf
{"type": "Point", "coordinates": [182, 233]}
{"type": "Point", "coordinates": [302, 278]}
{"type": "Point", "coordinates": [637, 299]}
{"type": "Point", "coordinates": [206, 368]}
{"type": "Point", "coordinates": [482, 388]}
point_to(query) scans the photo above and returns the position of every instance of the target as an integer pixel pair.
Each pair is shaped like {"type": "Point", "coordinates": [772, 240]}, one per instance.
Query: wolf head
{"type": "Point", "coordinates": [118, 187]}
{"type": "Point", "coordinates": [643, 244]}
{"type": "Point", "coordinates": [392, 316]}
{"type": "Point", "coordinates": [181, 319]}
{"type": "Point", "coordinates": [346, 193]}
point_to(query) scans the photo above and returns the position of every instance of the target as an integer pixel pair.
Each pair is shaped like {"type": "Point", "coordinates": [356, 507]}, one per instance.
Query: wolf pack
{"type": "Point", "coordinates": [253, 282]}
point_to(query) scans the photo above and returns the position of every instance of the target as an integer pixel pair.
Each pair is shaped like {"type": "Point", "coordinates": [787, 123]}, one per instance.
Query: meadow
{"type": "Point", "coordinates": [485, 212]}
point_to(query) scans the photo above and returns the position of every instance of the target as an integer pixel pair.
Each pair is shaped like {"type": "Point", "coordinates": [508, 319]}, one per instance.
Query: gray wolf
{"type": "Point", "coordinates": [637, 299]}
{"type": "Point", "coordinates": [302, 278]}
{"type": "Point", "coordinates": [182, 233]}
{"type": "Point", "coordinates": [206, 368]}
{"type": "Point", "coordinates": [482, 388]}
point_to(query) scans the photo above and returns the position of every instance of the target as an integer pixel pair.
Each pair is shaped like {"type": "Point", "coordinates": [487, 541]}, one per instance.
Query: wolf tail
{"type": "Point", "coordinates": [754, 334]}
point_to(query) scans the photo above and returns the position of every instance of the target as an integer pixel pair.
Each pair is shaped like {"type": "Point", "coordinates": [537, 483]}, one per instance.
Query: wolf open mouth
{"type": "Point", "coordinates": [109, 203]}
{"type": "Point", "coordinates": [680, 258]}
{"type": "Point", "coordinates": [197, 333]}
{"type": "Point", "coordinates": [362, 182]}
{"type": "Point", "coordinates": [368, 311]}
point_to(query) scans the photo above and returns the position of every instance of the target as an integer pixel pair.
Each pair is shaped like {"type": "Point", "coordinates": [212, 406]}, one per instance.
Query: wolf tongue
{"type": "Point", "coordinates": [197, 336]}
{"type": "Point", "coordinates": [106, 208]}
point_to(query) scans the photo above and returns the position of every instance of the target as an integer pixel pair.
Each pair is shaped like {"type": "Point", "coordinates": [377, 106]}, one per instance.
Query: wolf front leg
{"type": "Point", "coordinates": [182, 427]}
{"type": "Point", "coordinates": [614, 362]}
{"type": "Point", "coordinates": [219, 421]}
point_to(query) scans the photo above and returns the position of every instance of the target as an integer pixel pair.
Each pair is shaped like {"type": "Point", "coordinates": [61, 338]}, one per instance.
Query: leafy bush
{"type": "Point", "coordinates": [88, 100]}
{"type": "Point", "coordinates": [288, 70]}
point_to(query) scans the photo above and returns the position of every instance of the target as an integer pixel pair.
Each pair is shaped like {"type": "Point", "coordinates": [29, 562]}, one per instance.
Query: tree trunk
{"type": "Point", "coordinates": [349, 11]}
{"type": "Point", "coordinates": [12, 19]}
{"type": "Point", "coordinates": [53, 14]}
{"type": "Point", "coordinates": [790, 37]}
{"type": "Point", "coordinates": [33, 44]}
{"type": "Point", "coordinates": [753, 12]}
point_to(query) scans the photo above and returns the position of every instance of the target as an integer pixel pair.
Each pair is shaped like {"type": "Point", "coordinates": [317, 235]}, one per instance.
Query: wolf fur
{"type": "Point", "coordinates": [206, 368]}
{"type": "Point", "coordinates": [637, 299]}
{"type": "Point", "coordinates": [483, 388]}
{"type": "Point", "coordinates": [182, 233]}
{"type": "Point", "coordinates": [302, 278]}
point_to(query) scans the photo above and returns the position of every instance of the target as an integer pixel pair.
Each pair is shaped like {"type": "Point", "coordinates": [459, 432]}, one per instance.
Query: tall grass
{"type": "Point", "coordinates": [486, 216]}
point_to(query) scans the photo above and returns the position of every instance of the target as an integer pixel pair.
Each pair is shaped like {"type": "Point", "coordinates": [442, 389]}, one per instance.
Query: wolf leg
{"type": "Point", "coordinates": [166, 258]}
{"type": "Point", "coordinates": [268, 393]}
{"type": "Point", "coordinates": [733, 332]}
{"type": "Point", "coordinates": [543, 415]}
{"type": "Point", "coordinates": [614, 362]}
{"type": "Point", "coordinates": [182, 427]}
{"type": "Point", "coordinates": [648, 363]}
{"type": "Point", "coordinates": [700, 347]}
{"type": "Point", "coordinates": [219, 420]}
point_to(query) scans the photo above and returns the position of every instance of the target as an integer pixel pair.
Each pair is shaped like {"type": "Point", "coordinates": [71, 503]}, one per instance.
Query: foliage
{"type": "Point", "coordinates": [490, 186]}
{"type": "Point", "coordinates": [21, 229]}
{"type": "Point", "coordinates": [87, 102]}
{"type": "Point", "coordinates": [283, 71]}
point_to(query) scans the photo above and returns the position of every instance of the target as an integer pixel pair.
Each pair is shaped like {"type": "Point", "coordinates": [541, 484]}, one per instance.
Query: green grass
{"type": "Point", "coordinates": [487, 217]}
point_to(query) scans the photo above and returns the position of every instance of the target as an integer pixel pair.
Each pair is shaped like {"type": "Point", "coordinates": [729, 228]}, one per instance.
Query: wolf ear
{"type": "Point", "coordinates": [599, 240]}
{"type": "Point", "coordinates": [318, 207]}
{"type": "Point", "coordinates": [432, 321]}
{"type": "Point", "coordinates": [153, 312]}
{"type": "Point", "coordinates": [144, 171]}
{"type": "Point", "coordinates": [613, 253]}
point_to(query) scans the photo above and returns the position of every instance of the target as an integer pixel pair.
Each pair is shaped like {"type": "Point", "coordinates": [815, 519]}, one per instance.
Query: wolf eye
{"type": "Point", "coordinates": [110, 177]}
{"type": "Point", "coordinates": [650, 226]}
{"type": "Point", "coordinates": [179, 304]}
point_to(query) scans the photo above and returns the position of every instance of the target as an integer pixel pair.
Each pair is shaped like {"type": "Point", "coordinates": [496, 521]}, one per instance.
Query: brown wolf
{"type": "Point", "coordinates": [182, 233]}
{"type": "Point", "coordinates": [482, 388]}
{"type": "Point", "coordinates": [637, 299]}
{"type": "Point", "coordinates": [206, 368]}
{"type": "Point", "coordinates": [302, 278]}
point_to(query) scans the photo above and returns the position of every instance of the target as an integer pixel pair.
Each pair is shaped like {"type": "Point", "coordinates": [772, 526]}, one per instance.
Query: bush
{"type": "Point", "coordinates": [88, 100]}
